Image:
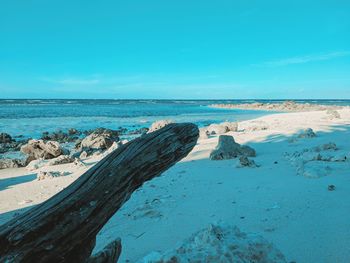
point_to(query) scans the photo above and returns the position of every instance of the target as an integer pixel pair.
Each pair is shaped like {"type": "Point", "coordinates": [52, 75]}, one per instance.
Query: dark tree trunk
{"type": "Point", "coordinates": [64, 228]}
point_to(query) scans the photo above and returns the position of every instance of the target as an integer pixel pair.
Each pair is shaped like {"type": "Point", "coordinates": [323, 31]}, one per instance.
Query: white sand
{"type": "Point", "coordinates": [298, 214]}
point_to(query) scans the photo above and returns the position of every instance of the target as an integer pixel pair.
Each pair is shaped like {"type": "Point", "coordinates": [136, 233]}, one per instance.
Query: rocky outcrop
{"type": "Point", "coordinates": [5, 138]}
{"type": "Point", "coordinates": [100, 140]}
{"type": "Point", "coordinates": [158, 125]}
{"type": "Point", "coordinates": [307, 133]}
{"type": "Point", "coordinates": [318, 161]}
{"type": "Point", "coordinates": [11, 163]}
{"type": "Point", "coordinates": [62, 137]}
{"type": "Point", "coordinates": [36, 149]}
{"type": "Point", "coordinates": [227, 148]}
{"type": "Point", "coordinates": [220, 243]}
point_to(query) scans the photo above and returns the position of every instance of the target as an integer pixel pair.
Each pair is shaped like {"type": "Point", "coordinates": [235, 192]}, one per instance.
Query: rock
{"type": "Point", "coordinates": [36, 149]}
{"type": "Point", "coordinates": [227, 148]}
{"type": "Point", "coordinates": [307, 133]}
{"type": "Point", "coordinates": [5, 138]}
{"type": "Point", "coordinates": [60, 136]}
{"type": "Point", "coordinates": [331, 187]}
{"type": "Point", "coordinates": [83, 155]}
{"type": "Point", "coordinates": [49, 175]}
{"type": "Point", "coordinates": [217, 129]}
{"type": "Point", "coordinates": [100, 139]}
{"type": "Point", "coordinates": [326, 147]}
{"type": "Point", "coordinates": [39, 163]}
{"type": "Point", "coordinates": [73, 131]}
{"type": "Point", "coordinates": [203, 133]}
{"type": "Point", "coordinates": [333, 114]}
{"type": "Point", "coordinates": [247, 151]}
{"type": "Point", "coordinates": [158, 125]}
{"type": "Point", "coordinates": [79, 163]}
{"type": "Point", "coordinates": [245, 162]}
{"type": "Point", "coordinates": [219, 243]}
{"type": "Point", "coordinates": [11, 163]}
{"type": "Point", "coordinates": [63, 159]}
{"type": "Point", "coordinates": [231, 126]}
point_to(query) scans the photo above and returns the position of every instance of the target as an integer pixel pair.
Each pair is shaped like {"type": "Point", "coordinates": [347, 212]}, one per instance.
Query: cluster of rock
{"type": "Point", "coordinates": [287, 106]}
{"type": "Point", "coordinates": [220, 243]}
{"type": "Point", "coordinates": [217, 129]}
{"type": "Point", "coordinates": [62, 137]}
{"type": "Point", "coordinates": [317, 161]}
{"type": "Point", "coordinates": [9, 144]}
{"type": "Point", "coordinates": [98, 141]}
{"type": "Point", "coordinates": [49, 149]}
{"type": "Point", "coordinates": [227, 148]}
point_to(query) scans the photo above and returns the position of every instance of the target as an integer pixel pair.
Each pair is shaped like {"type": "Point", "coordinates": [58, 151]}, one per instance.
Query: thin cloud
{"type": "Point", "coordinates": [72, 81]}
{"type": "Point", "coordinates": [304, 59]}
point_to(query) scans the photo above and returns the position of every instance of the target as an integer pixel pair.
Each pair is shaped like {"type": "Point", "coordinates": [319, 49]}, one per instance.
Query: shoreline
{"type": "Point", "coordinates": [287, 106]}
{"type": "Point", "coordinates": [276, 200]}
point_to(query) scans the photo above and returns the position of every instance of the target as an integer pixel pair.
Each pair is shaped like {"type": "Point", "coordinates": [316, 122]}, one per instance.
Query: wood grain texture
{"type": "Point", "coordinates": [64, 228]}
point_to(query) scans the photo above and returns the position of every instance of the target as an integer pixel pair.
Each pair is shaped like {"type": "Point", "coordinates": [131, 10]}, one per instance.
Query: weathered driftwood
{"type": "Point", "coordinates": [64, 228]}
{"type": "Point", "coordinates": [109, 254]}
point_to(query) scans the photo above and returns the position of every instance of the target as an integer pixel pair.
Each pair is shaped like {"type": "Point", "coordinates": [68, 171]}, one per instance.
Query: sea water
{"type": "Point", "coordinates": [30, 118]}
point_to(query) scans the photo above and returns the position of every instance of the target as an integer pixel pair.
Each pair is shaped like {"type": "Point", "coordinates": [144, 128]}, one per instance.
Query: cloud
{"type": "Point", "coordinates": [304, 59]}
{"type": "Point", "coordinates": [72, 81]}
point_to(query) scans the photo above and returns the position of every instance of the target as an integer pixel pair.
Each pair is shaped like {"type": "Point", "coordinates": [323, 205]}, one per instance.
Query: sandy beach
{"type": "Point", "coordinates": [294, 198]}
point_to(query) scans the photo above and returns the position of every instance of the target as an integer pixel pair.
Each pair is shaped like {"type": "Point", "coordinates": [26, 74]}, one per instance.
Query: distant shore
{"type": "Point", "coordinates": [287, 106]}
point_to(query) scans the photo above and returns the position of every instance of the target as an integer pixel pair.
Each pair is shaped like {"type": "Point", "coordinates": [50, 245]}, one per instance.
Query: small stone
{"type": "Point", "coordinates": [331, 187]}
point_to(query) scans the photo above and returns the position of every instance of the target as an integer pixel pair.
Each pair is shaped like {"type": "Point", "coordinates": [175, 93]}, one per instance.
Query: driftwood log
{"type": "Point", "coordinates": [64, 228]}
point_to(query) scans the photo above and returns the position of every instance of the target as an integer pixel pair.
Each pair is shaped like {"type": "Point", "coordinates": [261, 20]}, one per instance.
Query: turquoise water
{"type": "Point", "coordinates": [32, 117]}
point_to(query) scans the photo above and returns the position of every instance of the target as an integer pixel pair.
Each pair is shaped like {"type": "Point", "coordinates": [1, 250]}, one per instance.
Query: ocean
{"type": "Point", "coordinates": [30, 118]}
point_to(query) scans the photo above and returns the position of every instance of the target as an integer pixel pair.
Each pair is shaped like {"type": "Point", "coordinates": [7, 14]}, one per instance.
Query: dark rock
{"type": "Point", "coordinates": [5, 138]}
{"type": "Point", "coordinates": [227, 148]}
{"type": "Point", "coordinates": [331, 187]}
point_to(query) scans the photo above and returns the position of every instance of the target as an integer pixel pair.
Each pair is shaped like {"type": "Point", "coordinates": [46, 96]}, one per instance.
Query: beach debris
{"type": "Point", "coordinates": [307, 133]}
{"type": "Point", "coordinates": [101, 139]}
{"type": "Point", "coordinates": [331, 187]}
{"type": "Point", "coordinates": [158, 125]}
{"type": "Point", "coordinates": [227, 148]}
{"type": "Point", "coordinates": [333, 114]}
{"type": "Point", "coordinates": [36, 149]}
{"type": "Point", "coordinates": [139, 161]}
{"type": "Point", "coordinates": [220, 243]}
{"type": "Point", "coordinates": [244, 161]}
{"type": "Point", "coordinates": [42, 175]}
{"type": "Point", "coordinates": [11, 163]}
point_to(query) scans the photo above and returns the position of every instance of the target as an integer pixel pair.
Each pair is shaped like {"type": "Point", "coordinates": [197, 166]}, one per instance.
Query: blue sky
{"type": "Point", "coordinates": [174, 49]}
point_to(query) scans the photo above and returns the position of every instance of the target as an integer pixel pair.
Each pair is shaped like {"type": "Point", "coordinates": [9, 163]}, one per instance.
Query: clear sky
{"type": "Point", "coordinates": [184, 49]}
